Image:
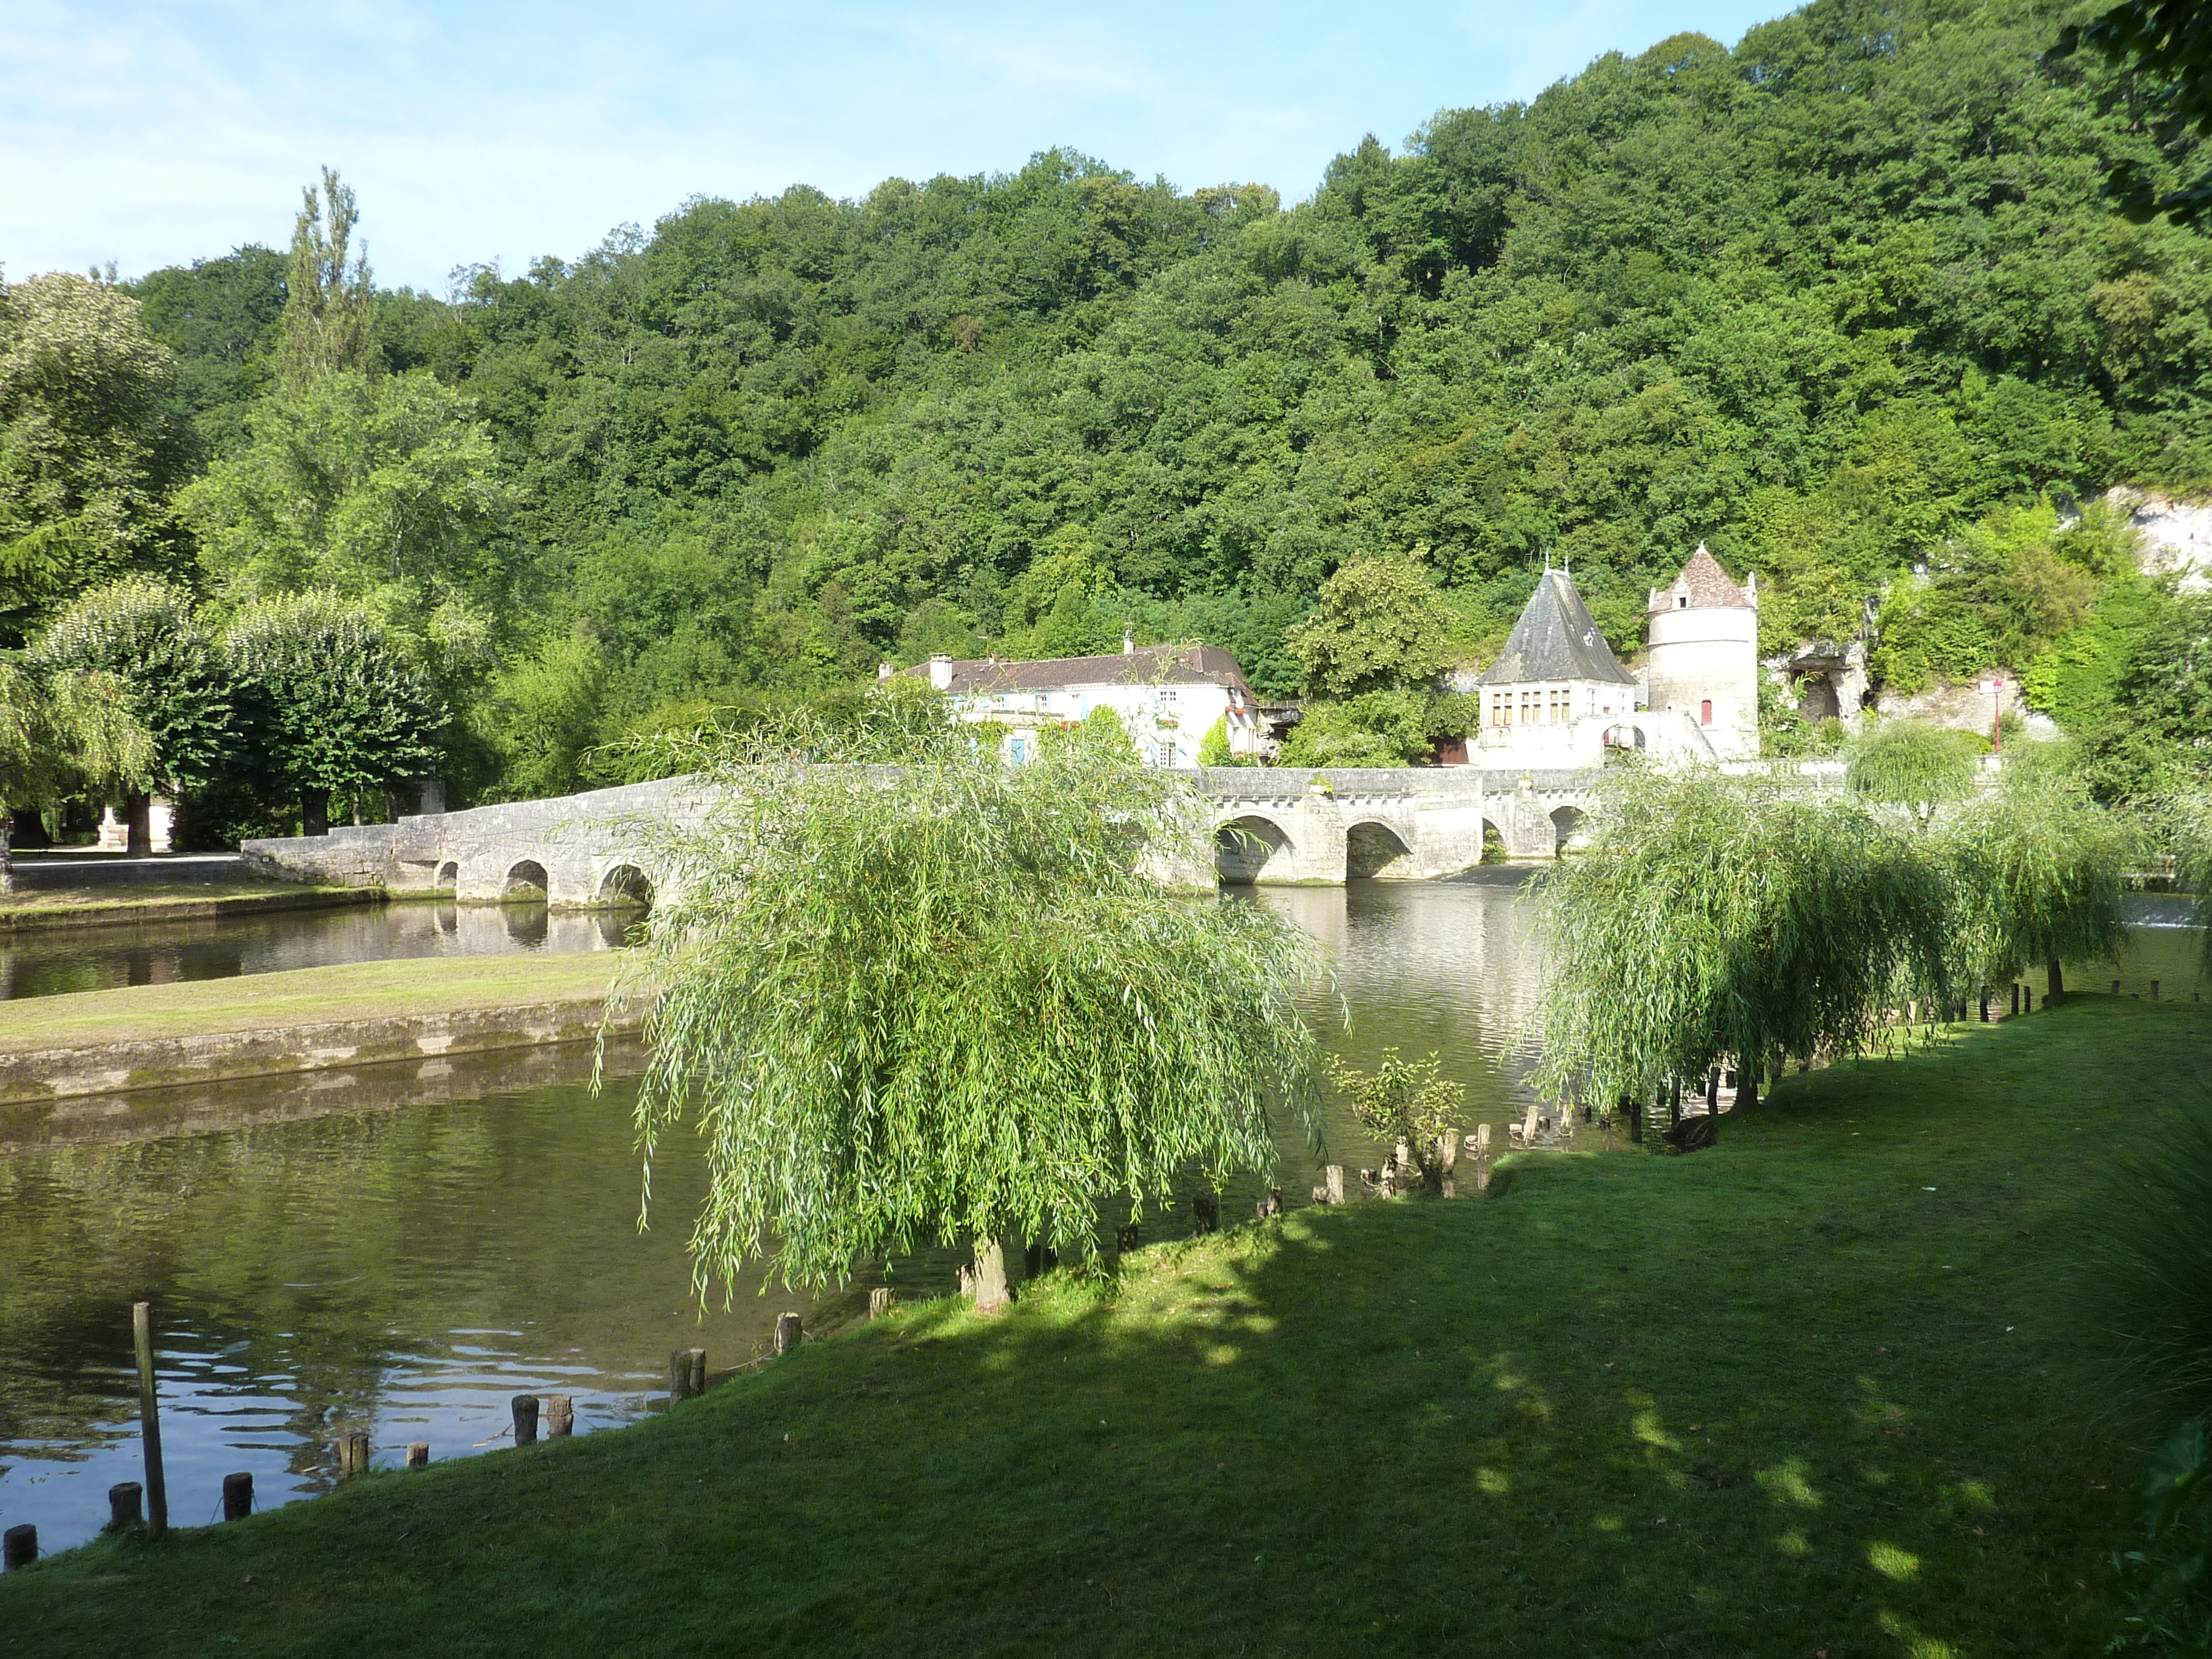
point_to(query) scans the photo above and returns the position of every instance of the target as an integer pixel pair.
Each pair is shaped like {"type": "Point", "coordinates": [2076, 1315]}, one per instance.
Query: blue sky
{"type": "Point", "coordinates": [150, 134]}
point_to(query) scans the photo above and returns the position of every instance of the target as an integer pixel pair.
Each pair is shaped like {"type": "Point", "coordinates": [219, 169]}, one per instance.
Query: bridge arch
{"type": "Point", "coordinates": [1246, 845]}
{"type": "Point", "coordinates": [449, 875]}
{"type": "Point", "coordinates": [624, 885]}
{"type": "Point", "coordinates": [526, 879]}
{"type": "Point", "coordinates": [1370, 848]}
{"type": "Point", "coordinates": [1567, 827]}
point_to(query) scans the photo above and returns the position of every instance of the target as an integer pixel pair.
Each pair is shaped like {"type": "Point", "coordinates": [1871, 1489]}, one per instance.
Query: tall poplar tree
{"type": "Point", "coordinates": [330, 322]}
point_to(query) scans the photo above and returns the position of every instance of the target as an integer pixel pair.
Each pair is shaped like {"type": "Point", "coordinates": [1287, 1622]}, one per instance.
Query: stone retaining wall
{"type": "Point", "coordinates": [32, 1076]}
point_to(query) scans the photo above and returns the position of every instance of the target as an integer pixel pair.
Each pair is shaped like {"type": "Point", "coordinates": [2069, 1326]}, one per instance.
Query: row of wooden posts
{"type": "Point", "coordinates": [687, 1378]}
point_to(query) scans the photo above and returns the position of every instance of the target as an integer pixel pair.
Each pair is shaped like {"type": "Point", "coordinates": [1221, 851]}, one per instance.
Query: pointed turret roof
{"type": "Point", "coordinates": [1556, 640]}
{"type": "Point", "coordinates": [1707, 585]}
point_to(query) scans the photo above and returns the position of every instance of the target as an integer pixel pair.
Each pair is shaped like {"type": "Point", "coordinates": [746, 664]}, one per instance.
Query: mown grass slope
{"type": "Point", "coordinates": [1814, 1391]}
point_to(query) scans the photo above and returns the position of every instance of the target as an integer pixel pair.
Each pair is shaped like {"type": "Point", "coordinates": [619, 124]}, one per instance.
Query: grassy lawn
{"type": "Point", "coordinates": [1812, 1392]}
{"type": "Point", "coordinates": [302, 996]}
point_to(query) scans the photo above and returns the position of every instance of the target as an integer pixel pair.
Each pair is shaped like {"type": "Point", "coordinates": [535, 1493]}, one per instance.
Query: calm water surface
{"type": "Point", "coordinates": [406, 1270]}
{"type": "Point", "coordinates": [50, 962]}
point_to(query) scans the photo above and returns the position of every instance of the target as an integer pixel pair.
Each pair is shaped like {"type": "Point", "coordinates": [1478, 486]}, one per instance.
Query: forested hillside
{"type": "Point", "coordinates": [1841, 302]}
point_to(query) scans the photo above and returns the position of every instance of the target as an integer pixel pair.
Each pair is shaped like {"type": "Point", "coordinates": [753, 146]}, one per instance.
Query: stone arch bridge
{"type": "Point", "coordinates": [1317, 827]}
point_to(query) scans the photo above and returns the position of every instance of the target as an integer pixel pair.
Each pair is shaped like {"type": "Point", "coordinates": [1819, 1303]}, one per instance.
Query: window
{"type": "Point", "coordinates": [1043, 701]}
{"type": "Point", "coordinates": [1017, 751]}
{"type": "Point", "coordinates": [1705, 712]}
{"type": "Point", "coordinates": [1167, 699]}
{"type": "Point", "coordinates": [1164, 755]}
{"type": "Point", "coordinates": [1681, 602]}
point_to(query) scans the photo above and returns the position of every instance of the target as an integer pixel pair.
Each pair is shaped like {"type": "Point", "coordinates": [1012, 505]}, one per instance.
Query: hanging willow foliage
{"type": "Point", "coordinates": [907, 991]}
{"type": "Point", "coordinates": [2189, 827]}
{"type": "Point", "coordinates": [1713, 916]}
{"type": "Point", "coordinates": [2037, 873]}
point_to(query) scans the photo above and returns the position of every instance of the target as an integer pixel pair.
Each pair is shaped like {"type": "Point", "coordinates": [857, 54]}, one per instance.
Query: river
{"type": "Point", "coordinates": [406, 1269]}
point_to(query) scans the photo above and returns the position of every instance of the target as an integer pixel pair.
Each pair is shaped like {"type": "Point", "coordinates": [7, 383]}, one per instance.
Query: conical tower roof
{"type": "Point", "coordinates": [1556, 640]}
{"type": "Point", "coordinates": [1705, 585]}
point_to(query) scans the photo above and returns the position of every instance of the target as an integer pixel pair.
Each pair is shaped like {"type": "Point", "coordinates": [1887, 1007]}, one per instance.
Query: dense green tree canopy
{"type": "Point", "coordinates": [1843, 300]}
{"type": "Point", "coordinates": [88, 449]}
{"type": "Point", "coordinates": [149, 636]}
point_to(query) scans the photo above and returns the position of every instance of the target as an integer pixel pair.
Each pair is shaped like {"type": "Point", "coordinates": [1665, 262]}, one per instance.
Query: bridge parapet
{"type": "Point", "coordinates": [1319, 825]}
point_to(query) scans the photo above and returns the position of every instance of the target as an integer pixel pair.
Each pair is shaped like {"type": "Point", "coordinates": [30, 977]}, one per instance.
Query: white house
{"type": "Point", "coordinates": [1556, 690]}
{"type": "Point", "coordinates": [1168, 697]}
{"type": "Point", "coordinates": [1557, 697]}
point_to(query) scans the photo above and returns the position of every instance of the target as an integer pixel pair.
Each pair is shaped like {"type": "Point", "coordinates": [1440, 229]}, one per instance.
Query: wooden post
{"type": "Point", "coordinates": [698, 1357]}
{"type": "Point", "coordinates": [123, 1505]}
{"type": "Point", "coordinates": [1985, 1005]}
{"type": "Point", "coordinates": [1126, 1236]}
{"type": "Point", "coordinates": [882, 1300]}
{"type": "Point", "coordinates": [149, 1420]}
{"type": "Point", "coordinates": [679, 1376]}
{"type": "Point", "coordinates": [1482, 1157]}
{"type": "Point", "coordinates": [237, 1496]}
{"type": "Point", "coordinates": [1204, 1215]}
{"type": "Point", "coordinates": [2115, 988]}
{"type": "Point", "coordinates": [525, 1407]}
{"type": "Point", "coordinates": [789, 1334]}
{"type": "Point", "coordinates": [1270, 1205]}
{"type": "Point", "coordinates": [353, 1454]}
{"type": "Point", "coordinates": [19, 1547]}
{"type": "Point", "coordinates": [418, 1454]}
{"type": "Point", "coordinates": [2015, 996]}
{"type": "Point", "coordinates": [2153, 990]}
{"type": "Point", "coordinates": [560, 1416]}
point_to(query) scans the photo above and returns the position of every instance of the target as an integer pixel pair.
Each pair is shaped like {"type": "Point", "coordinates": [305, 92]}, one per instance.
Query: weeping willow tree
{"type": "Point", "coordinates": [2189, 828]}
{"type": "Point", "coordinates": [1713, 918]}
{"type": "Point", "coordinates": [2037, 875]}
{"type": "Point", "coordinates": [906, 991]}
{"type": "Point", "coordinates": [61, 731]}
{"type": "Point", "coordinates": [1912, 764]}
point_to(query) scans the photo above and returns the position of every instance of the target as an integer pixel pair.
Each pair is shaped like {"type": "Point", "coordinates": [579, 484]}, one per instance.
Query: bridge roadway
{"type": "Point", "coordinates": [1271, 824]}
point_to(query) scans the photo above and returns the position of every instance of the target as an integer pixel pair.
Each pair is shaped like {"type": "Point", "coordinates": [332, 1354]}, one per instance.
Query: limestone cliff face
{"type": "Point", "coordinates": [2177, 535]}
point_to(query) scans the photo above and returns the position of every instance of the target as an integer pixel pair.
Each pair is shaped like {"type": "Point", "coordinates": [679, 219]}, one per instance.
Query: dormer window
{"type": "Point", "coordinates": [1681, 602]}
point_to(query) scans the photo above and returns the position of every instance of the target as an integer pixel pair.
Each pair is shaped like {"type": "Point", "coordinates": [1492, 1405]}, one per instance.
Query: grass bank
{"type": "Point", "coordinates": [1808, 1393]}
{"type": "Point", "coordinates": [301, 996]}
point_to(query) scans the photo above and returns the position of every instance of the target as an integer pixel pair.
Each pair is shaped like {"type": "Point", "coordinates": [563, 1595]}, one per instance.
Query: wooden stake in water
{"type": "Point", "coordinates": [149, 1420]}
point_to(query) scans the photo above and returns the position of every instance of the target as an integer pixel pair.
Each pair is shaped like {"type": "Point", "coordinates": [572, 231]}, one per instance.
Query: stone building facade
{"type": "Point", "coordinates": [1168, 697]}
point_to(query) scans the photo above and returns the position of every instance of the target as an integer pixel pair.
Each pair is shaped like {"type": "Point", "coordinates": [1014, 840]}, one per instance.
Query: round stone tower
{"type": "Point", "coordinates": [1704, 634]}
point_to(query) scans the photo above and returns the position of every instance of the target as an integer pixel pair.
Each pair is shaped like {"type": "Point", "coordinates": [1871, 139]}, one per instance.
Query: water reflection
{"type": "Point", "coordinates": [49, 963]}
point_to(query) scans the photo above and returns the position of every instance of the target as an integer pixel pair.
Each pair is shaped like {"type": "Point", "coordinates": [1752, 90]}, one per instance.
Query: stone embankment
{"type": "Point", "coordinates": [311, 1019]}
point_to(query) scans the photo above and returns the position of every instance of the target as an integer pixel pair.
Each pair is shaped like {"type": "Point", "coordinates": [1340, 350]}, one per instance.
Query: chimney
{"type": "Point", "coordinates": [1128, 642]}
{"type": "Point", "coordinates": [940, 673]}
{"type": "Point", "coordinates": [1751, 589]}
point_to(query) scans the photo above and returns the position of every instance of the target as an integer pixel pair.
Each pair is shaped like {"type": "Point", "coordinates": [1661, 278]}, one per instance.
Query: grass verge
{"type": "Point", "coordinates": [301, 996]}
{"type": "Point", "coordinates": [1808, 1393]}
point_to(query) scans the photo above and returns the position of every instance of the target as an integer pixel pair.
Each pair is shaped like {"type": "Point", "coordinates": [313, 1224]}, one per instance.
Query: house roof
{"type": "Point", "coordinates": [1148, 665]}
{"type": "Point", "coordinates": [1707, 585]}
{"type": "Point", "coordinates": [1556, 640]}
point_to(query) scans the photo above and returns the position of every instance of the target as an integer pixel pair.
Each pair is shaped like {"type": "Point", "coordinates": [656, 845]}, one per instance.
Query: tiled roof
{"type": "Point", "coordinates": [1708, 584]}
{"type": "Point", "coordinates": [1149, 664]}
{"type": "Point", "coordinates": [1556, 640]}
